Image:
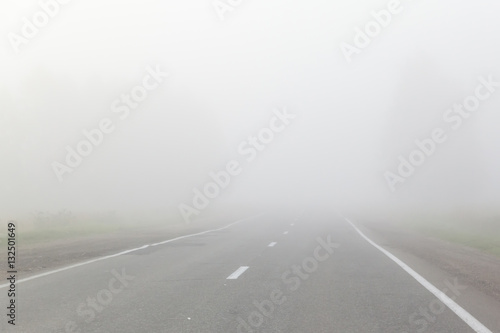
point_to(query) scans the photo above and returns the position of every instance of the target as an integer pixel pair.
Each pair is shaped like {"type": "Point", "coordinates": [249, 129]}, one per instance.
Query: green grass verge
{"type": "Point", "coordinates": [479, 232]}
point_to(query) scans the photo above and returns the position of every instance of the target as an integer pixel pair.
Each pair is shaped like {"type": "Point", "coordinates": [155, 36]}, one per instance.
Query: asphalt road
{"type": "Point", "coordinates": [264, 274]}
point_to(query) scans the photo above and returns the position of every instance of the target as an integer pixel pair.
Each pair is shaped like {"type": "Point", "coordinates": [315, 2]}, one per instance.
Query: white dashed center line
{"type": "Point", "coordinates": [237, 273]}
{"type": "Point", "coordinates": [285, 233]}
{"type": "Point", "coordinates": [272, 244]}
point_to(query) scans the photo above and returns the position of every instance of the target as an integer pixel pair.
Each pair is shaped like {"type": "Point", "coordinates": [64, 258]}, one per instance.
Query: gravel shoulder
{"type": "Point", "coordinates": [439, 260]}
{"type": "Point", "coordinates": [467, 263]}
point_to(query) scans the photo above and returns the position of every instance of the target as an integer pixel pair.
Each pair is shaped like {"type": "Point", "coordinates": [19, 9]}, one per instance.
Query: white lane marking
{"type": "Point", "coordinates": [285, 233]}
{"type": "Point", "coordinates": [457, 309]}
{"type": "Point", "coordinates": [292, 224]}
{"type": "Point", "coordinates": [237, 273]}
{"type": "Point", "coordinates": [272, 244]}
{"type": "Point", "coordinates": [124, 252]}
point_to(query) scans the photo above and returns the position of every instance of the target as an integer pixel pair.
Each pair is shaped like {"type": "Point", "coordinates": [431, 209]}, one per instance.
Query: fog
{"type": "Point", "coordinates": [273, 99]}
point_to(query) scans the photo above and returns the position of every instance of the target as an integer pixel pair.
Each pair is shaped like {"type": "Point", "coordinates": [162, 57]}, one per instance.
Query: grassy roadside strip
{"type": "Point", "coordinates": [486, 243]}
{"type": "Point", "coordinates": [479, 231]}
{"type": "Point", "coordinates": [78, 227]}
{"type": "Point", "coordinates": [50, 233]}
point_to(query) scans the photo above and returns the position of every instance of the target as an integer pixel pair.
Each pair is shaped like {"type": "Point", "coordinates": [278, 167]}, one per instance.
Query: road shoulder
{"type": "Point", "coordinates": [441, 261]}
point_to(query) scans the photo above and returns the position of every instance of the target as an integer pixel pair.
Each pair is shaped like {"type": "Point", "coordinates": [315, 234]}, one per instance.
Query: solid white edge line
{"type": "Point", "coordinates": [272, 244]}
{"type": "Point", "coordinates": [452, 305]}
{"type": "Point", "coordinates": [123, 252]}
{"type": "Point", "coordinates": [236, 274]}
